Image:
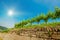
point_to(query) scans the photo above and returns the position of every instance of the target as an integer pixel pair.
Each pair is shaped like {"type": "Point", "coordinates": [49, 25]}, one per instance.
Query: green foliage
{"type": "Point", "coordinates": [2, 28]}
{"type": "Point", "coordinates": [49, 15]}
{"type": "Point", "coordinates": [5, 31]}
{"type": "Point", "coordinates": [45, 18]}
{"type": "Point", "coordinates": [57, 12]}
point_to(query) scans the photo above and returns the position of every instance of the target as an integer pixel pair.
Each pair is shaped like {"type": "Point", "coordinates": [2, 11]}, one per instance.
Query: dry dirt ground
{"type": "Point", "coordinates": [5, 36]}
{"type": "Point", "coordinates": [40, 33]}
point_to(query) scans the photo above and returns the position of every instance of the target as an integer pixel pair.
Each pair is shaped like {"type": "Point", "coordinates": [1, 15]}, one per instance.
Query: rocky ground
{"type": "Point", "coordinates": [46, 33]}
{"type": "Point", "coordinates": [16, 37]}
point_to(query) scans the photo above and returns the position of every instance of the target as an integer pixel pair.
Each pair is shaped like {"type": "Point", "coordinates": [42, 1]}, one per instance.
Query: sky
{"type": "Point", "coordinates": [24, 9]}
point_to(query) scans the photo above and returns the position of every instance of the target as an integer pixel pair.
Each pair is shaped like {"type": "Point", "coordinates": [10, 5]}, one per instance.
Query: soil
{"type": "Point", "coordinates": [46, 33]}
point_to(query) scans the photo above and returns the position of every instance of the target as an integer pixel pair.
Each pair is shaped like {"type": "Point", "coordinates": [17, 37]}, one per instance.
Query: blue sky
{"type": "Point", "coordinates": [24, 9]}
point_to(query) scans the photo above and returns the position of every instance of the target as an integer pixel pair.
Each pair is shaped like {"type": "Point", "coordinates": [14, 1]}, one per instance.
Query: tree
{"type": "Point", "coordinates": [57, 12]}
{"type": "Point", "coordinates": [29, 21]}
{"type": "Point", "coordinates": [45, 19]}
{"type": "Point", "coordinates": [49, 15]}
{"type": "Point", "coordinates": [53, 16]}
{"type": "Point", "coordinates": [37, 19]}
{"type": "Point", "coordinates": [17, 25]}
{"type": "Point", "coordinates": [33, 19]}
{"type": "Point", "coordinates": [21, 24]}
{"type": "Point", "coordinates": [24, 22]}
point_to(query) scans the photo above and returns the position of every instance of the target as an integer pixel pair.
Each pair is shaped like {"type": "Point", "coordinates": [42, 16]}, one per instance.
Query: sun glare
{"type": "Point", "coordinates": [10, 12]}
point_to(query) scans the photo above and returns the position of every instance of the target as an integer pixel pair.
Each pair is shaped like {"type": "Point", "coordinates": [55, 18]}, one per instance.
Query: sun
{"type": "Point", "coordinates": [10, 12]}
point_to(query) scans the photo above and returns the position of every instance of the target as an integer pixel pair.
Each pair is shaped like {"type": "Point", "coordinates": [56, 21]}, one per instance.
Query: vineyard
{"type": "Point", "coordinates": [39, 31]}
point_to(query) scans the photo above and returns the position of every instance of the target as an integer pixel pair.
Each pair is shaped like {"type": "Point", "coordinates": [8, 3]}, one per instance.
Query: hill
{"type": "Point", "coordinates": [2, 28]}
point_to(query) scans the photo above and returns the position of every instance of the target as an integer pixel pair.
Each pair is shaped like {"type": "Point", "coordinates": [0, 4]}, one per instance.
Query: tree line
{"type": "Point", "coordinates": [49, 15]}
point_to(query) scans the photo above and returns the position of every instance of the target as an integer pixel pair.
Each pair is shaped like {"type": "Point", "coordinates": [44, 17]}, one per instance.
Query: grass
{"type": "Point", "coordinates": [7, 30]}
{"type": "Point", "coordinates": [43, 25]}
{"type": "Point", "coordinates": [33, 26]}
